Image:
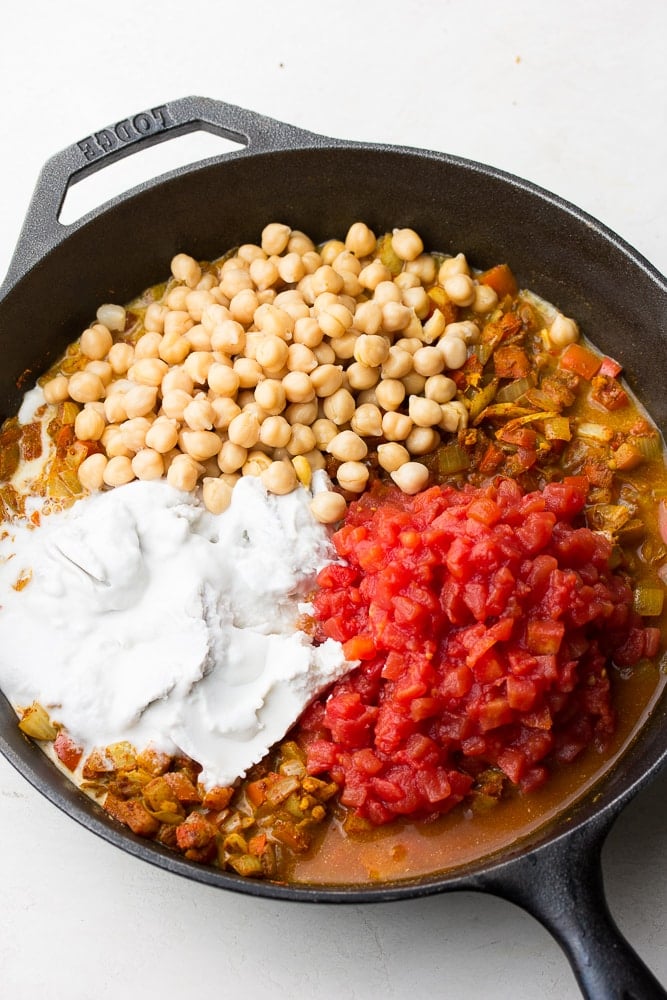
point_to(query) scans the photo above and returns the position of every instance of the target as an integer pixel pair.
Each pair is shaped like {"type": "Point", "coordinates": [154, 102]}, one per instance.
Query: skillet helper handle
{"type": "Point", "coordinates": [42, 231]}
{"type": "Point", "coordinates": [562, 886]}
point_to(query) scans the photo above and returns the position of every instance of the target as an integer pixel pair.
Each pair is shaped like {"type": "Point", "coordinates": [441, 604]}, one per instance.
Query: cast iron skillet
{"type": "Point", "coordinates": [59, 275]}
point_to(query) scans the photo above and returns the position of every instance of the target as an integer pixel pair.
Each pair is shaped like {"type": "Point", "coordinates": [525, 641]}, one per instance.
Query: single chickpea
{"type": "Point", "coordinates": [121, 357]}
{"type": "Point", "coordinates": [225, 409]}
{"type": "Point", "coordinates": [324, 430]}
{"type": "Point", "coordinates": [213, 315]}
{"type": "Point", "coordinates": [148, 371]}
{"type": "Point", "coordinates": [272, 353]}
{"type": "Point", "coordinates": [198, 338]}
{"type": "Point", "coordinates": [330, 250]}
{"type": "Point", "coordinates": [411, 477]}
{"type": "Point", "coordinates": [424, 412]}
{"type": "Point", "coordinates": [183, 473]}
{"type": "Point", "coordinates": [91, 472]}
{"type": "Point", "coordinates": [86, 387]}
{"type": "Point", "coordinates": [406, 244]}
{"type": "Point", "coordinates": [243, 306]}
{"type": "Point", "coordinates": [148, 464]}
{"type": "Point", "coordinates": [386, 291]}
{"type": "Point", "coordinates": [154, 317]}
{"type": "Point", "coordinates": [223, 380]}
{"type": "Point", "coordinates": [396, 426]}
{"type": "Point", "coordinates": [101, 368]}
{"type": "Point", "coordinates": [197, 301]}
{"type": "Point", "coordinates": [417, 300]}
{"type": "Point", "coordinates": [174, 349]}
{"type": "Point", "coordinates": [352, 476]}
{"type": "Point", "coordinates": [243, 430]}
{"type": "Point", "coordinates": [270, 395]}
{"type": "Point", "coordinates": [360, 376]}
{"type": "Point", "coordinates": [264, 273]}
{"type": "Point", "coordinates": [367, 420]}
{"type": "Point", "coordinates": [346, 263]}
{"type": "Point", "coordinates": [326, 279]}
{"type": "Point", "coordinates": [216, 494]}
{"type": "Point", "coordinates": [485, 299]}
{"type": "Point", "coordinates": [291, 301]}
{"type": "Point", "coordinates": [275, 432]}
{"type": "Point", "coordinates": [398, 363]}
{"type": "Point", "coordinates": [422, 440]}
{"type": "Point", "coordinates": [328, 507]}
{"type": "Point", "coordinates": [174, 403]}
{"type": "Point", "coordinates": [302, 413]}
{"type": "Point", "coordinates": [454, 416]}
{"type": "Point", "coordinates": [428, 361]}
{"type": "Point", "coordinates": [228, 337]}
{"type": "Point", "coordinates": [406, 281]}
{"type": "Point", "coordinates": [461, 289]}
{"type": "Point", "coordinates": [298, 387]}
{"type": "Point", "coordinates": [390, 393]}
{"type": "Point", "coordinates": [325, 353]}
{"type": "Point", "coordinates": [434, 327]}
{"type": "Point", "coordinates": [56, 390]}
{"type": "Point", "coordinates": [360, 240]}
{"type": "Point", "coordinates": [271, 319]}
{"type": "Point", "coordinates": [231, 457]}
{"type": "Point", "coordinates": [466, 330]}
{"type": "Point", "coordinates": [249, 372]}
{"type": "Point", "coordinates": [89, 425]}
{"type": "Point", "coordinates": [326, 379]}
{"type": "Point", "coordinates": [347, 447]}
{"type": "Point", "coordinates": [199, 415]}
{"type": "Point", "coordinates": [96, 342]}
{"type": "Point", "coordinates": [454, 352]}
{"type": "Point", "coordinates": [112, 442]}
{"type": "Point", "coordinates": [424, 267]}
{"type": "Point", "coordinates": [368, 317]}
{"type": "Point", "coordinates": [177, 297]}
{"type": "Point", "coordinates": [140, 400]}
{"type": "Point", "coordinates": [440, 388]}
{"type": "Point", "coordinates": [234, 280]}
{"type": "Point", "coordinates": [249, 252]}
{"type": "Point", "coordinates": [118, 471]}
{"type": "Point", "coordinates": [300, 243]}
{"type": "Point", "coordinates": [177, 322]}
{"type": "Point", "coordinates": [371, 275]}
{"type": "Point", "coordinates": [290, 268]}
{"type": "Point", "coordinates": [392, 456]}
{"type": "Point", "coordinates": [114, 408]}
{"type": "Point", "coordinates": [315, 460]}
{"type": "Point", "coordinates": [563, 331]}
{"type": "Point", "coordinates": [344, 346]}
{"type": "Point", "coordinates": [255, 464]}
{"type": "Point", "coordinates": [133, 433]}
{"type": "Point", "coordinates": [308, 332]}
{"type": "Point", "coordinates": [371, 350]}
{"type": "Point", "coordinates": [186, 269]}
{"type": "Point", "coordinates": [275, 237]}
{"type": "Point", "coordinates": [177, 378]}
{"type": "Point", "coordinates": [301, 440]}
{"type": "Point", "coordinates": [112, 316]}
{"type": "Point", "coordinates": [340, 406]}
{"type": "Point", "coordinates": [279, 478]}
{"type": "Point", "coordinates": [414, 383]}
{"type": "Point", "coordinates": [452, 266]}
{"type": "Point", "coordinates": [335, 320]}
{"type": "Point", "coordinates": [162, 435]}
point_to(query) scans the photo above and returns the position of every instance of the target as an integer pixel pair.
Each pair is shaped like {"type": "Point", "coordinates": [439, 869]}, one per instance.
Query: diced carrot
{"type": "Point", "coordinates": [610, 367]}
{"type": "Point", "coordinates": [500, 279]}
{"type": "Point", "coordinates": [581, 361]}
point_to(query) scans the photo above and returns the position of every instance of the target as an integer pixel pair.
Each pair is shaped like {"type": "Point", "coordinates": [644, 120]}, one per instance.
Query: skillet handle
{"type": "Point", "coordinates": [42, 231]}
{"type": "Point", "coordinates": [561, 885]}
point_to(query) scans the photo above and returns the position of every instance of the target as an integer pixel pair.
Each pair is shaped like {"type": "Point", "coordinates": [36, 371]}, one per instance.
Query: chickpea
{"type": "Point", "coordinates": [371, 275]}
{"type": "Point", "coordinates": [353, 476]}
{"type": "Point", "coordinates": [199, 414]}
{"type": "Point", "coordinates": [417, 300]}
{"type": "Point", "coordinates": [343, 347]}
{"type": "Point", "coordinates": [290, 268]}
{"type": "Point", "coordinates": [231, 457]}
{"type": "Point", "coordinates": [249, 372]}
{"type": "Point", "coordinates": [249, 252]}
{"type": "Point", "coordinates": [434, 327]}
{"type": "Point", "coordinates": [112, 316]}
{"type": "Point", "coordinates": [243, 430]}
{"type": "Point", "coordinates": [398, 363]}
{"type": "Point", "coordinates": [234, 281]}
{"type": "Point", "coordinates": [422, 440]}
{"type": "Point", "coordinates": [89, 425]}
{"type": "Point", "coordinates": [91, 472]}
{"type": "Point", "coordinates": [396, 426]}
{"type": "Point", "coordinates": [360, 240]}
{"type": "Point", "coordinates": [414, 383]}
{"type": "Point", "coordinates": [101, 368]}
{"type": "Point", "coordinates": [368, 317]}
{"type": "Point", "coordinates": [324, 430]}
{"type": "Point", "coordinates": [328, 507]}
{"type": "Point", "coordinates": [174, 349]}
{"type": "Point", "coordinates": [346, 263]}
{"type": "Point", "coordinates": [428, 361]}
{"type": "Point", "coordinates": [275, 237]}
{"type": "Point", "coordinates": [440, 388]}
{"type": "Point", "coordinates": [114, 408]}
{"type": "Point", "coordinates": [371, 350]}
{"type": "Point", "coordinates": [96, 342]}
{"type": "Point", "coordinates": [485, 299]}
{"type": "Point", "coordinates": [563, 331]}
{"type": "Point", "coordinates": [392, 456]}
{"type": "Point", "coordinates": [214, 315]}
{"type": "Point", "coordinates": [186, 269]}
{"type": "Point", "coordinates": [197, 365]}
{"type": "Point", "coordinates": [154, 317]}
{"type": "Point", "coordinates": [272, 353]}
{"type": "Point", "coordinates": [302, 413]}
{"type": "Point", "coordinates": [228, 337]}
{"type": "Point", "coordinates": [243, 306]}
{"type": "Point", "coordinates": [112, 442]}
{"type": "Point", "coordinates": [326, 379]}
{"type": "Point", "coordinates": [292, 302]}
{"type": "Point", "coordinates": [454, 352]}
{"type": "Point", "coordinates": [121, 357]}
{"type": "Point", "coordinates": [325, 353]}
{"type": "Point", "coordinates": [300, 243]}
{"type": "Point", "coordinates": [256, 462]}
{"type": "Point", "coordinates": [148, 464]}
{"type": "Point", "coordinates": [216, 494]}
{"type": "Point", "coordinates": [197, 301]}
{"type": "Point", "coordinates": [461, 289]}
{"type": "Point", "coordinates": [452, 266]}
{"type": "Point", "coordinates": [176, 298]}
{"type": "Point", "coordinates": [183, 473]}
{"type": "Point", "coordinates": [140, 400]}
{"type": "Point", "coordinates": [360, 376]}
{"type": "Point", "coordinates": [148, 371]}
{"type": "Point", "coordinates": [279, 478]}
{"type": "Point", "coordinates": [118, 471]}
{"type": "Point", "coordinates": [175, 402]}
{"type": "Point", "coordinates": [406, 244]}
{"type": "Point", "coordinates": [264, 273]}
{"type": "Point", "coordinates": [367, 420]}
{"type": "Point", "coordinates": [396, 317]}
{"type": "Point", "coordinates": [454, 416]}
{"type": "Point", "coordinates": [301, 440]}
{"type": "Point", "coordinates": [56, 390]}
{"type": "Point", "coordinates": [411, 477]}
{"type": "Point", "coordinates": [273, 320]}
{"type": "Point", "coordinates": [424, 268]}
{"type": "Point", "coordinates": [162, 435]}
{"type": "Point", "coordinates": [466, 331]}
{"type": "Point", "coordinates": [86, 387]}
{"type": "Point", "coordinates": [390, 393]}
{"type": "Point", "coordinates": [340, 406]}
{"type": "Point", "coordinates": [225, 409]}
{"type": "Point", "coordinates": [347, 446]}
{"type": "Point", "coordinates": [275, 432]}
{"type": "Point", "coordinates": [198, 338]}
{"type": "Point", "coordinates": [133, 433]}
{"type": "Point", "coordinates": [335, 320]}
{"type": "Point", "coordinates": [331, 250]}
{"type": "Point", "coordinates": [270, 395]}
{"type": "Point", "coordinates": [424, 412]}
{"type": "Point", "coordinates": [307, 331]}
{"type": "Point", "coordinates": [298, 387]}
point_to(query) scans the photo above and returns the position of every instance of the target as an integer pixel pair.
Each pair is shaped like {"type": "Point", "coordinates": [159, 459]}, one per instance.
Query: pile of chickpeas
{"type": "Point", "coordinates": [275, 358]}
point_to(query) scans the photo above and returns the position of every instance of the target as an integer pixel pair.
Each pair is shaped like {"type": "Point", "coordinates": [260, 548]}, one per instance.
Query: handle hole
{"type": "Point", "coordinates": [94, 189]}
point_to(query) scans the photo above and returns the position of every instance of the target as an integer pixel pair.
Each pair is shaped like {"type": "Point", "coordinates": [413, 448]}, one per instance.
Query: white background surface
{"type": "Point", "coordinates": [572, 96]}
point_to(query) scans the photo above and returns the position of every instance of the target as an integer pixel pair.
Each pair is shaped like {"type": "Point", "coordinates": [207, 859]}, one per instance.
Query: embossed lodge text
{"type": "Point", "coordinates": [126, 131]}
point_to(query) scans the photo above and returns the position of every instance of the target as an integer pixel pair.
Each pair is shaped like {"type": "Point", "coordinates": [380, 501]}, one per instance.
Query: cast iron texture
{"type": "Point", "coordinates": [59, 275]}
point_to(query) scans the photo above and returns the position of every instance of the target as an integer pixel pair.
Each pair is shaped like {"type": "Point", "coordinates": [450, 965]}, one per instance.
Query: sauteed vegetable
{"type": "Point", "coordinates": [497, 505]}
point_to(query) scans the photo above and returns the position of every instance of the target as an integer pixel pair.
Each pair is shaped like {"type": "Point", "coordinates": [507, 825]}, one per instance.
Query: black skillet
{"type": "Point", "coordinates": [59, 275]}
